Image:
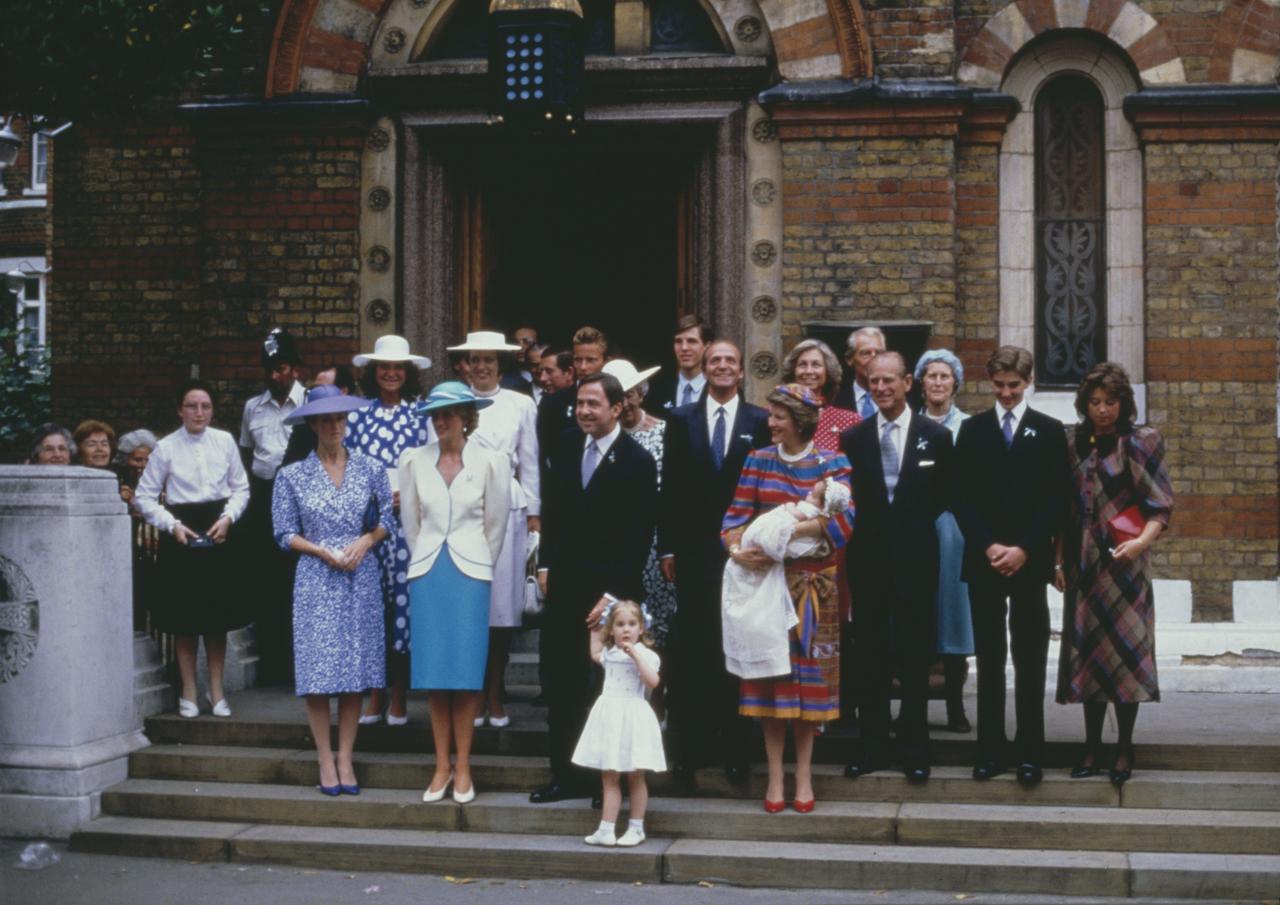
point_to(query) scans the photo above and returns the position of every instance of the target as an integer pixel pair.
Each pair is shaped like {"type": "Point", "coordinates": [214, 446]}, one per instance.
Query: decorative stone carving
{"type": "Point", "coordinates": [379, 140]}
{"type": "Point", "coordinates": [379, 311]}
{"type": "Point", "coordinates": [764, 253]}
{"type": "Point", "coordinates": [379, 198]}
{"type": "Point", "coordinates": [764, 131]}
{"type": "Point", "coordinates": [394, 40]}
{"type": "Point", "coordinates": [748, 29]}
{"type": "Point", "coordinates": [764, 309]}
{"type": "Point", "coordinates": [763, 191]}
{"type": "Point", "coordinates": [19, 620]}
{"type": "Point", "coordinates": [764, 365]}
{"type": "Point", "coordinates": [379, 259]}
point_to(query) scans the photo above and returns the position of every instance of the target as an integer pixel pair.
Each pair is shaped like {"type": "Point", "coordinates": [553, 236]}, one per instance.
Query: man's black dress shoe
{"type": "Point", "coordinates": [1029, 775]}
{"type": "Point", "coordinates": [737, 773]}
{"type": "Point", "coordinates": [917, 774]}
{"type": "Point", "coordinates": [861, 768]}
{"type": "Point", "coordinates": [987, 769]}
{"type": "Point", "coordinates": [555, 792]}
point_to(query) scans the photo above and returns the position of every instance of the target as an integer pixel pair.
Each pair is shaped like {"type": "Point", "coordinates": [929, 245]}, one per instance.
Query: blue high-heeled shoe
{"type": "Point", "coordinates": [350, 790]}
{"type": "Point", "coordinates": [332, 791]}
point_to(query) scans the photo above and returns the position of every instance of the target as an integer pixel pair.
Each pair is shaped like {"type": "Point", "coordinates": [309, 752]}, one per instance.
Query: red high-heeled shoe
{"type": "Point", "coordinates": [774, 807]}
{"type": "Point", "coordinates": [803, 807]}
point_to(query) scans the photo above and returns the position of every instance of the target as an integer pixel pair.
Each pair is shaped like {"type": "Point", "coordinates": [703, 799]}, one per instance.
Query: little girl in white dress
{"type": "Point", "coordinates": [622, 733]}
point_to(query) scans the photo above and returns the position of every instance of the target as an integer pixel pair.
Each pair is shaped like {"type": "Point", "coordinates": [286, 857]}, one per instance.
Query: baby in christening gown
{"type": "Point", "coordinates": [756, 606]}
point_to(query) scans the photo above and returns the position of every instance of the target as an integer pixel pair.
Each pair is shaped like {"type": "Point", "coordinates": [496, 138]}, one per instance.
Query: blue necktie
{"type": "Point", "coordinates": [868, 407]}
{"type": "Point", "coordinates": [687, 396]}
{"type": "Point", "coordinates": [889, 459]}
{"type": "Point", "coordinates": [1008, 429]}
{"type": "Point", "coordinates": [590, 459]}
{"type": "Point", "coordinates": [717, 439]}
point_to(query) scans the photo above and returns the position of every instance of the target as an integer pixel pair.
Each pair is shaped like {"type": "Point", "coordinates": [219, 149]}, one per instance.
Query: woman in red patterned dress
{"type": "Point", "coordinates": [812, 364]}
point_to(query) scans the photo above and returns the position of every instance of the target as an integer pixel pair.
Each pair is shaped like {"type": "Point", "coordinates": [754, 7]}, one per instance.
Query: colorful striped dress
{"type": "Point", "coordinates": [812, 690]}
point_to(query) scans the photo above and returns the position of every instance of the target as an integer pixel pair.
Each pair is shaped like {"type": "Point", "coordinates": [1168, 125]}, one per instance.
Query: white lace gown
{"type": "Point", "coordinates": [622, 732]}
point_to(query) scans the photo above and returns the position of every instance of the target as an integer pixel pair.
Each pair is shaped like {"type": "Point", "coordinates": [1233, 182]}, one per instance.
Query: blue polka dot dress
{"type": "Point", "coordinates": [384, 433]}
{"type": "Point", "coordinates": [338, 625]}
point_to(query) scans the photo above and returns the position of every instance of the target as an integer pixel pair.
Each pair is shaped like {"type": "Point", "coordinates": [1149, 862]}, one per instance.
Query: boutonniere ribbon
{"type": "Point", "coordinates": [612, 457]}
{"type": "Point", "coordinates": [1028, 432]}
{"type": "Point", "coordinates": [922, 444]}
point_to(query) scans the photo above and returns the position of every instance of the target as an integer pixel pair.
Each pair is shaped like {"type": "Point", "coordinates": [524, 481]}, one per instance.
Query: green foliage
{"type": "Point", "coordinates": [79, 59]}
{"type": "Point", "coordinates": [24, 387]}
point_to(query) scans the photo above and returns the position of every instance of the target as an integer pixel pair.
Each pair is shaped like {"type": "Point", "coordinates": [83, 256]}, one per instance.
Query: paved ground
{"type": "Point", "coordinates": [105, 880]}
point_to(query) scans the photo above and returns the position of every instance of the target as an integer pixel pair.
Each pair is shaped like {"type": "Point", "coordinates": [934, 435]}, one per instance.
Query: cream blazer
{"type": "Point", "coordinates": [470, 515]}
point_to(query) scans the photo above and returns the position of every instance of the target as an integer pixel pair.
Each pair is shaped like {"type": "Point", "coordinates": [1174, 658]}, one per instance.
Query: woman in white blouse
{"type": "Point", "coordinates": [198, 470]}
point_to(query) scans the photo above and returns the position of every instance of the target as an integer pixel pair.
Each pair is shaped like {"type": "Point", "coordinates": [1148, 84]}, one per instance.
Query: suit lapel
{"type": "Point", "coordinates": [739, 445]}
{"type": "Point", "coordinates": [910, 457]}
{"type": "Point", "coordinates": [698, 437]}
{"type": "Point", "coordinates": [871, 452]}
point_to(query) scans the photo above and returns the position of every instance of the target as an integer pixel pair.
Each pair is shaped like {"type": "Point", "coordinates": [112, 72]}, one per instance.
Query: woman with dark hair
{"type": "Point", "coordinates": [810, 694]}
{"type": "Point", "coordinates": [455, 498]}
{"type": "Point", "coordinates": [95, 443]}
{"type": "Point", "coordinates": [811, 363]}
{"type": "Point", "coordinates": [384, 430]}
{"type": "Point", "coordinates": [1122, 502]}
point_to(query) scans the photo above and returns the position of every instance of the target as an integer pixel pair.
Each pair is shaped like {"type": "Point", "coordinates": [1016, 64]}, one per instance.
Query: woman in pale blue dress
{"type": "Point", "coordinates": [941, 375]}
{"type": "Point", "coordinates": [455, 501]}
{"type": "Point", "coordinates": [334, 508]}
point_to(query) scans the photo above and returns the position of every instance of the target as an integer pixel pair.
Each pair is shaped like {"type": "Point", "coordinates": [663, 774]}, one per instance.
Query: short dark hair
{"type": "Point", "coordinates": [193, 384]}
{"type": "Point", "coordinates": [721, 341]}
{"type": "Point", "coordinates": [1114, 381]}
{"type": "Point", "coordinates": [689, 321]}
{"type": "Point", "coordinates": [611, 385]}
{"type": "Point", "coordinates": [412, 388]}
{"type": "Point", "coordinates": [564, 360]}
{"type": "Point", "coordinates": [1011, 358]}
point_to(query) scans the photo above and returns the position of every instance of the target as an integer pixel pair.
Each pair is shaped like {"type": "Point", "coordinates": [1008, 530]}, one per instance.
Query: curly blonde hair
{"type": "Point", "coordinates": [630, 606]}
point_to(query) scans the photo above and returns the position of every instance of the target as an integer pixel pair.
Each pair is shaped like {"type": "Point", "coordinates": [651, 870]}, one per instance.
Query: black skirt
{"type": "Point", "coordinates": [194, 593]}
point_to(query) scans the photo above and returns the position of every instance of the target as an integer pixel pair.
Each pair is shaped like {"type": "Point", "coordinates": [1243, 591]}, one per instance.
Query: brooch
{"type": "Point", "coordinates": [922, 444]}
{"type": "Point", "coordinates": [610, 458]}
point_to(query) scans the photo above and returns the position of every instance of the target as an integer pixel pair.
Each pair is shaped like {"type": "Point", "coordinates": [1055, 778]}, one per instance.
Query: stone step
{"type": "Point", "coordinates": [923, 824]}
{"type": "Point", "coordinates": [522, 669]}
{"type": "Point", "coordinates": [953, 785]}
{"type": "Point", "coordinates": [737, 862]}
{"type": "Point", "coordinates": [527, 735]}
{"type": "Point", "coordinates": [145, 651]}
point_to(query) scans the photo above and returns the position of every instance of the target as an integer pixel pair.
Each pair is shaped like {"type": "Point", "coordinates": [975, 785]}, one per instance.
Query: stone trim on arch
{"type": "Point", "coordinates": [819, 39]}
{"type": "Point", "coordinates": [321, 46]}
{"type": "Point", "coordinates": [1138, 34]}
{"type": "Point", "coordinates": [1246, 46]}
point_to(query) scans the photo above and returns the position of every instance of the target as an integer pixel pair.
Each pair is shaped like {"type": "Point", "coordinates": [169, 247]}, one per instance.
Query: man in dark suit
{"type": "Point", "coordinates": [684, 384]}
{"type": "Point", "coordinates": [598, 513]}
{"type": "Point", "coordinates": [901, 483]}
{"type": "Point", "coordinates": [1012, 484]}
{"type": "Point", "coordinates": [705, 446]}
{"type": "Point", "coordinates": [556, 410]}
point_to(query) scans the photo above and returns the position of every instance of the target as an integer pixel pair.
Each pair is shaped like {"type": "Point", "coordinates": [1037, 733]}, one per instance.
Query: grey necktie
{"type": "Point", "coordinates": [590, 459]}
{"type": "Point", "coordinates": [1008, 429]}
{"type": "Point", "coordinates": [889, 459]}
{"type": "Point", "coordinates": [687, 396]}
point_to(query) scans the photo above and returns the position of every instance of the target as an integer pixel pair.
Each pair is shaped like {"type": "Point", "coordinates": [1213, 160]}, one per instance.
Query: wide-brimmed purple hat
{"type": "Point", "coordinates": [325, 399]}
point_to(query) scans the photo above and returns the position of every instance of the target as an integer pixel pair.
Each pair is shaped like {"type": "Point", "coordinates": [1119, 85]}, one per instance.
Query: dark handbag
{"type": "Point", "coordinates": [1125, 526]}
{"type": "Point", "coordinates": [371, 516]}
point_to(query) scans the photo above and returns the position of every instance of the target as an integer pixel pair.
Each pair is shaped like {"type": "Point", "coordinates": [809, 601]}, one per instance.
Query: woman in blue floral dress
{"type": "Point", "coordinates": [384, 430]}
{"type": "Point", "coordinates": [334, 508]}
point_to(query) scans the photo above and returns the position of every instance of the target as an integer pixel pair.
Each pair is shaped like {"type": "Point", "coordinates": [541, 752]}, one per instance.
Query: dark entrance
{"type": "Point", "coordinates": [590, 230]}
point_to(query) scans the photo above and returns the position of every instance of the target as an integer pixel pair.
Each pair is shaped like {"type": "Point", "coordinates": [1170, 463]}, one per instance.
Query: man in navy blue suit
{"type": "Point", "coordinates": [704, 449]}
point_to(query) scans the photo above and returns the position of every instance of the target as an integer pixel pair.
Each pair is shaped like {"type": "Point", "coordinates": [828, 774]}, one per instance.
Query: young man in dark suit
{"type": "Point", "coordinates": [901, 484]}
{"type": "Point", "coordinates": [598, 513]}
{"type": "Point", "coordinates": [1012, 483]}
{"type": "Point", "coordinates": [705, 446]}
{"type": "Point", "coordinates": [685, 383]}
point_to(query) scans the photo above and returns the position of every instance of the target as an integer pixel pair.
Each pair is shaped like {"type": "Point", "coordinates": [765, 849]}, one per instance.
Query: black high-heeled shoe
{"type": "Point", "coordinates": [1120, 777]}
{"type": "Point", "coordinates": [1087, 765]}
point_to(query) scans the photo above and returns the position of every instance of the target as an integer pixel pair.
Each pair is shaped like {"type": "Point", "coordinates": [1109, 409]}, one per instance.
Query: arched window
{"type": "Point", "coordinates": [1070, 231]}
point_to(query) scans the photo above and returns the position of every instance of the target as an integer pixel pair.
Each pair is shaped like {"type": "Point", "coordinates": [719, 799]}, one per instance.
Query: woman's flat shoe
{"type": "Point", "coordinates": [774, 807]}
{"type": "Point", "coordinates": [221, 708]}
{"type": "Point", "coordinates": [1120, 777]}
{"type": "Point", "coordinates": [349, 790]}
{"type": "Point", "coordinates": [803, 807]}
{"type": "Point", "coordinates": [465, 797]}
{"type": "Point", "coordinates": [1088, 766]}
{"type": "Point", "coordinates": [369, 719]}
{"type": "Point", "coordinates": [187, 709]}
{"type": "Point", "coordinates": [431, 795]}
{"type": "Point", "coordinates": [499, 722]}
{"type": "Point", "coordinates": [393, 720]}
{"type": "Point", "coordinates": [479, 721]}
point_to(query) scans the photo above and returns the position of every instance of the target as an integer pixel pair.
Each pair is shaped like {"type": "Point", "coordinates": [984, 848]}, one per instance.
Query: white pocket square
{"type": "Point", "coordinates": [925, 463]}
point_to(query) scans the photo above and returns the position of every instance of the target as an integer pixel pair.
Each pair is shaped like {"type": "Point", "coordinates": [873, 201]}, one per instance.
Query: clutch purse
{"type": "Point", "coordinates": [1126, 525]}
{"type": "Point", "coordinates": [372, 515]}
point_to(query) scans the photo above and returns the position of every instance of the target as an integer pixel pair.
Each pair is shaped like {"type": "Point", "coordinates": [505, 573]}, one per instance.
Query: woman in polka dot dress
{"type": "Point", "coordinates": [384, 430]}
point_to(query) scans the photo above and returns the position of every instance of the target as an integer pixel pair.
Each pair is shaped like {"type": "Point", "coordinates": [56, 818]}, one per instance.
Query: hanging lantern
{"type": "Point", "coordinates": [536, 52]}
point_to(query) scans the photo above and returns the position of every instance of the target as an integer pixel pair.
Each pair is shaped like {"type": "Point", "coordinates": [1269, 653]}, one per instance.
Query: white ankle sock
{"type": "Point", "coordinates": [636, 825]}
{"type": "Point", "coordinates": [605, 826]}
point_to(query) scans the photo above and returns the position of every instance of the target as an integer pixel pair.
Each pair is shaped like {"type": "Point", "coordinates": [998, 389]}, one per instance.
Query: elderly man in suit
{"type": "Point", "coordinates": [598, 510]}
{"type": "Point", "coordinates": [1012, 483]}
{"type": "Point", "coordinates": [901, 484]}
{"type": "Point", "coordinates": [706, 444]}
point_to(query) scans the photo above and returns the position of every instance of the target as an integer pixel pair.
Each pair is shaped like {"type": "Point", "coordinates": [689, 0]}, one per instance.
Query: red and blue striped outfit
{"type": "Point", "coordinates": [812, 690]}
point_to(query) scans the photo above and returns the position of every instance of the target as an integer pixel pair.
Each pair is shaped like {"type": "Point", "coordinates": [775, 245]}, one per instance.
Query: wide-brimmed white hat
{"type": "Point", "coordinates": [391, 348]}
{"type": "Point", "coordinates": [486, 341]}
{"type": "Point", "coordinates": [627, 374]}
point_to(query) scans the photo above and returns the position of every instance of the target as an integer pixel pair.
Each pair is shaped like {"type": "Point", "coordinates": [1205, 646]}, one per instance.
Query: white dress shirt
{"type": "Point", "coordinates": [192, 468]}
{"type": "Point", "coordinates": [1018, 411]}
{"type": "Point", "coordinates": [899, 434]}
{"type": "Point", "coordinates": [262, 429]}
{"type": "Point", "coordinates": [605, 443]}
{"type": "Point", "coordinates": [697, 383]}
{"type": "Point", "coordinates": [730, 412]}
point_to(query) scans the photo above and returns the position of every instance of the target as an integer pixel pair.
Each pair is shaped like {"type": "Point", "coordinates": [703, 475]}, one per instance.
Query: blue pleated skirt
{"type": "Point", "coordinates": [449, 613]}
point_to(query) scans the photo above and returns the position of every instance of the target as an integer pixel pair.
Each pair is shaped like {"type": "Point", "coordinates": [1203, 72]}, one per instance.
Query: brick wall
{"type": "Point", "coordinates": [869, 232]}
{"type": "Point", "coordinates": [912, 39]}
{"type": "Point", "coordinates": [977, 264]}
{"type": "Point", "coordinates": [1211, 359]}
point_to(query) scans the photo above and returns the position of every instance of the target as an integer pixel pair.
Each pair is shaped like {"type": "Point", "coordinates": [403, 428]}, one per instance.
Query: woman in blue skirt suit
{"type": "Point", "coordinates": [455, 499]}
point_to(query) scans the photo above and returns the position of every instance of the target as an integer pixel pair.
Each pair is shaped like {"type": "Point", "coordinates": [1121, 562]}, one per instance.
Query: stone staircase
{"type": "Point", "coordinates": [1196, 821]}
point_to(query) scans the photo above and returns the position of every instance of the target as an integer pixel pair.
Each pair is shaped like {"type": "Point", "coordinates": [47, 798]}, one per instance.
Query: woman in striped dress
{"type": "Point", "coordinates": [810, 694]}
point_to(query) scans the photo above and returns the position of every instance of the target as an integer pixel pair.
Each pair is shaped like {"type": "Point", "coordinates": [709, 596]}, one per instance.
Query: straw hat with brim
{"type": "Point", "coordinates": [627, 374]}
{"type": "Point", "coordinates": [486, 341]}
{"type": "Point", "coordinates": [449, 394]}
{"type": "Point", "coordinates": [325, 399]}
{"type": "Point", "coordinates": [391, 348]}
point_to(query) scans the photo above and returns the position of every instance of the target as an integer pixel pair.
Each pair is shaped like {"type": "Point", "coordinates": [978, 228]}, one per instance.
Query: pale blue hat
{"type": "Point", "coordinates": [449, 394]}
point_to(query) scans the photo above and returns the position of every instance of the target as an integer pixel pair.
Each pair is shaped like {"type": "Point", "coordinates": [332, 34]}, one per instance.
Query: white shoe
{"type": "Point", "coordinates": [430, 796]}
{"type": "Point", "coordinates": [369, 719]}
{"type": "Point", "coordinates": [500, 722]}
{"type": "Point", "coordinates": [601, 837]}
{"type": "Point", "coordinates": [465, 797]}
{"type": "Point", "coordinates": [633, 836]}
{"type": "Point", "coordinates": [187, 709]}
{"type": "Point", "coordinates": [221, 708]}
{"type": "Point", "coordinates": [393, 720]}
{"type": "Point", "coordinates": [479, 721]}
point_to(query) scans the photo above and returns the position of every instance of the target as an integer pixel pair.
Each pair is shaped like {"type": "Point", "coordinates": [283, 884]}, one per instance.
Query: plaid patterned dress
{"type": "Point", "coordinates": [812, 690]}
{"type": "Point", "coordinates": [1108, 614]}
